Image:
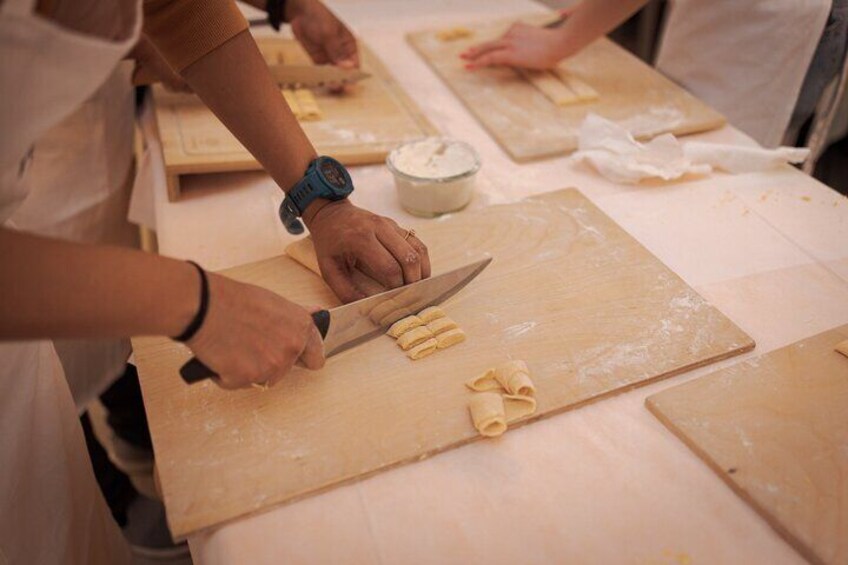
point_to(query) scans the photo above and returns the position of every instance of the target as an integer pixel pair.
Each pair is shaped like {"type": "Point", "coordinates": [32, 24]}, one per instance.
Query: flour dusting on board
{"type": "Point", "coordinates": [518, 330]}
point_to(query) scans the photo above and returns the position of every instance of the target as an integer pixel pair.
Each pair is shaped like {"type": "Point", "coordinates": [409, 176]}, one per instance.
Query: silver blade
{"type": "Point", "coordinates": [368, 318]}
{"type": "Point", "coordinates": [315, 76]}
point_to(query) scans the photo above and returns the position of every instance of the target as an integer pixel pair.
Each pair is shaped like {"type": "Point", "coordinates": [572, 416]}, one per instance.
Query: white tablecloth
{"type": "Point", "coordinates": [606, 483]}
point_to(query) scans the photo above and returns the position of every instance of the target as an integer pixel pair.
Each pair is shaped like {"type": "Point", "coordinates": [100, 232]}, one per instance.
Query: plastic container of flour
{"type": "Point", "coordinates": [434, 175]}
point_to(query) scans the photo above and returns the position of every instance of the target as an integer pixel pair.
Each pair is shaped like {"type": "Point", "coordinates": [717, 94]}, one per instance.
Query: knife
{"type": "Point", "coordinates": [352, 324]}
{"type": "Point", "coordinates": [290, 76]}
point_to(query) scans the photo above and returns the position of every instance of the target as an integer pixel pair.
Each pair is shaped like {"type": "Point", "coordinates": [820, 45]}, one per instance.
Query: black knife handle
{"type": "Point", "coordinates": [195, 371]}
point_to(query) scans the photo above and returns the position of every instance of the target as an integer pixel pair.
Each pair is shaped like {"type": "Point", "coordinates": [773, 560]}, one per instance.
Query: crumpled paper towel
{"type": "Point", "coordinates": [612, 150]}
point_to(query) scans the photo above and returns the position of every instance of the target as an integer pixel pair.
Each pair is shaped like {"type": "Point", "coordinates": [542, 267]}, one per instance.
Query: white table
{"type": "Point", "coordinates": [605, 483]}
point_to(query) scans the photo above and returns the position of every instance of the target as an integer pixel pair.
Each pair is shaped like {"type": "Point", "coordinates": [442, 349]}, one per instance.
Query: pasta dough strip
{"type": "Point", "coordinates": [488, 413]}
{"type": "Point", "coordinates": [559, 87]}
{"type": "Point", "coordinates": [404, 325]}
{"type": "Point", "coordinates": [449, 338]}
{"type": "Point", "coordinates": [442, 325]}
{"type": "Point", "coordinates": [483, 382]}
{"type": "Point", "coordinates": [415, 337]}
{"type": "Point", "coordinates": [430, 314]}
{"type": "Point", "coordinates": [309, 110]}
{"type": "Point", "coordinates": [514, 377]}
{"type": "Point", "coordinates": [422, 349]}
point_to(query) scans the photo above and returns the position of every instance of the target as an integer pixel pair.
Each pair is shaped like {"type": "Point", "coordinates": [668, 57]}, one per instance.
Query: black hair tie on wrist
{"type": "Point", "coordinates": [197, 322]}
{"type": "Point", "coordinates": [276, 13]}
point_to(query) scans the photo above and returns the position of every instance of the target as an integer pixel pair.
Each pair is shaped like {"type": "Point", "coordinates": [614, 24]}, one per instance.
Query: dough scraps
{"type": "Point", "coordinates": [488, 413]}
{"type": "Point", "coordinates": [454, 33]}
{"type": "Point", "coordinates": [517, 406]}
{"type": "Point", "coordinates": [430, 314]}
{"type": "Point", "coordinates": [449, 338]}
{"type": "Point", "coordinates": [843, 348]}
{"type": "Point", "coordinates": [423, 349]}
{"type": "Point", "coordinates": [415, 337]}
{"type": "Point", "coordinates": [442, 325]}
{"type": "Point", "coordinates": [303, 104]}
{"type": "Point", "coordinates": [559, 86]}
{"type": "Point", "coordinates": [404, 325]}
{"type": "Point", "coordinates": [514, 377]}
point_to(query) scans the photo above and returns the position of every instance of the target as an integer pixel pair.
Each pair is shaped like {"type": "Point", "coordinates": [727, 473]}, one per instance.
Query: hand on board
{"type": "Point", "coordinates": [251, 335]}
{"type": "Point", "coordinates": [522, 46]}
{"type": "Point", "coordinates": [322, 34]}
{"type": "Point", "coordinates": [348, 238]}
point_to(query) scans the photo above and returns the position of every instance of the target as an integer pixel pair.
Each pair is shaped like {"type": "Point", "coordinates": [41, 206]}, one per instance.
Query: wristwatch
{"type": "Point", "coordinates": [325, 178]}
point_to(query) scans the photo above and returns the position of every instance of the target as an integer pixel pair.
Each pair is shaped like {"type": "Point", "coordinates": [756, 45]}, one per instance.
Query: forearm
{"type": "Point", "coordinates": [593, 19]}
{"type": "Point", "coordinates": [234, 81]}
{"type": "Point", "coordinates": [55, 289]}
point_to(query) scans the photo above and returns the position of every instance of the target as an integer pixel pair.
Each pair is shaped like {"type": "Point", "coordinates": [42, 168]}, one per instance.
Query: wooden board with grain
{"type": "Point", "coordinates": [589, 309]}
{"type": "Point", "coordinates": [775, 428]}
{"type": "Point", "coordinates": [359, 127]}
{"type": "Point", "coordinates": [527, 125]}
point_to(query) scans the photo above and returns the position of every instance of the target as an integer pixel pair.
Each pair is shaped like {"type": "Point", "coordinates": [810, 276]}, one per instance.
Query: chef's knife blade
{"type": "Point", "coordinates": [349, 325]}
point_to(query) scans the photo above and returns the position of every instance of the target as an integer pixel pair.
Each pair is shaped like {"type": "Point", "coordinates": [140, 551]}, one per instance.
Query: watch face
{"type": "Point", "coordinates": [334, 174]}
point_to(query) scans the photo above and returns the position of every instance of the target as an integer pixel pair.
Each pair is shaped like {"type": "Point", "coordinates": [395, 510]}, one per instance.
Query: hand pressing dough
{"type": "Point", "coordinates": [423, 349]}
{"type": "Point", "coordinates": [514, 377]}
{"type": "Point", "coordinates": [843, 348]}
{"type": "Point", "coordinates": [517, 406]}
{"type": "Point", "coordinates": [415, 337]}
{"type": "Point", "coordinates": [488, 413]}
{"type": "Point", "coordinates": [442, 325]}
{"type": "Point", "coordinates": [559, 87]}
{"type": "Point", "coordinates": [449, 338]}
{"type": "Point", "coordinates": [402, 326]}
{"type": "Point", "coordinates": [430, 314]}
{"type": "Point", "coordinates": [454, 33]}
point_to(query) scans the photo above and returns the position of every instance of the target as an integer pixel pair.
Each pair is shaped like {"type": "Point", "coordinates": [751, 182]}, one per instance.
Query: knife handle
{"type": "Point", "coordinates": [195, 371]}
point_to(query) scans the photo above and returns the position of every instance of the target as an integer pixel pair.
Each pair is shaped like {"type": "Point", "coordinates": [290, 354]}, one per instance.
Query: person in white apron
{"type": "Point", "coordinates": [746, 58]}
{"type": "Point", "coordinates": [51, 509]}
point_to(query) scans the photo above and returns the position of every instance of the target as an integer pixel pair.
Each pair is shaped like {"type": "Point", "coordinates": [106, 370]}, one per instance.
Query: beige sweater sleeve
{"type": "Point", "coordinates": [186, 30]}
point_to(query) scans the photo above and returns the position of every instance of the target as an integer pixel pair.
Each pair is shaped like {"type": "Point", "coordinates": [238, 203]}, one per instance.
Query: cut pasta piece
{"type": "Point", "coordinates": [430, 314]}
{"type": "Point", "coordinates": [449, 338]}
{"type": "Point", "coordinates": [488, 413]}
{"type": "Point", "coordinates": [582, 91]}
{"type": "Point", "coordinates": [422, 349]}
{"type": "Point", "coordinates": [442, 325]}
{"type": "Point", "coordinates": [309, 110]}
{"type": "Point", "coordinates": [404, 325]}
{"type": "Point", "coordinates": [415, 337]}
{"type": "Point", "coordinates": [514, 377]}
{"type": "Point", "coordinates": [843, 348]}
{"type": "Point", "coordinates": [484, 381]}
{"type": "Point", "coordinates": [454, 33]}
{"type": "Point", "coordinates": [559, 87]}
{"type": "Point", "coordinates": [517, 407]}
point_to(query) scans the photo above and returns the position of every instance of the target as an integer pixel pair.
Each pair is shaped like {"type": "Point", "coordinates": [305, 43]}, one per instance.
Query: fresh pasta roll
{"type": "Point", "coordinates": [514, 377]}
{"type": "Point", "coordinates": [488, 413]}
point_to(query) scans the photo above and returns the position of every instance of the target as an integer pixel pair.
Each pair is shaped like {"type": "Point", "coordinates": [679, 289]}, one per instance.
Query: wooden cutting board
{"type": "Point", "coordinates": [589, 309]}
{"type": "Point", "coordinates": [527, 125]}
{"type": "Point", "coordinates": [775, 428]}
{"type": "Point", "coordinates": [358, 128]}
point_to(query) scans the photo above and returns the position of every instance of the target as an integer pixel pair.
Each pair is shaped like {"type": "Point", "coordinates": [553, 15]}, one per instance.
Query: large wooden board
{"type": "Point", "coordinates": [528, 125]}
{"type": "Point", "coordinates": [589, 309]}
{"type": "Point", "coordinates": [359, 127]}
{"type": "Point", "coordinates": [775, 429]}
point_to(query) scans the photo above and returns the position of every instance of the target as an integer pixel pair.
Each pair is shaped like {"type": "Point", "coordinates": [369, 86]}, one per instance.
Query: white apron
{"type": "Point", "coordinates": [79, 185]}
{"type": "Point", "coordinates": [746, 58]}
{"type": "Point", "coordinates": [51, 509]}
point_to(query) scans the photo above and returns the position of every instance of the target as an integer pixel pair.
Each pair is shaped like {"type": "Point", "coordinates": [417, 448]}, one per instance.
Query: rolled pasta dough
{"type": "Point", "coordinates": [442, 325]}
{"type": "Point", "coordinates": [449, 338]}
{"type": "Point", "coordinates": [484, 381]}
{"type": "Point", "coordinates": [517, 407]}
{"type": "Point", "coordinates": [430, 314]}
{"type": "Point", "coordinates": [422, 349]}
{"type": "Point", "coordinates": [415, 337]}
{"type": "Point", "coordinates": [514, 377]}
{"type": "Point", "coordinates": [488, 413]}
{"type": "Point", "coordinates": [402, 326]}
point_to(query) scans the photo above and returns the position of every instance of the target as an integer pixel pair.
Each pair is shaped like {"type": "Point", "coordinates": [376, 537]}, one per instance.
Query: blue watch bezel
{"type": "Point", "coordinates": [313, 185]}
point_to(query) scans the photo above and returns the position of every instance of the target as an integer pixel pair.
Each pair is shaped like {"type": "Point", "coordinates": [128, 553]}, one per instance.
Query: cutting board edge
{"type": "Point", "coordinates": [797, 545]}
